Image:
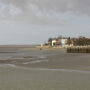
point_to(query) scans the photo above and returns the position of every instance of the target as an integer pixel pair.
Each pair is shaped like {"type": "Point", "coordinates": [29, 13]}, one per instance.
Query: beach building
{"type": "Point", "coordinates": [63, 42]}
{"type": "Point", "coordinates": [58, 42]}
{"type": "Point", "coordinates": [54, 41]}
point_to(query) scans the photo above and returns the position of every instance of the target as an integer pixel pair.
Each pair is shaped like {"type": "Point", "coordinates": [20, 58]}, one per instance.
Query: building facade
{"type": "Point", "coordinates": [59, 42]}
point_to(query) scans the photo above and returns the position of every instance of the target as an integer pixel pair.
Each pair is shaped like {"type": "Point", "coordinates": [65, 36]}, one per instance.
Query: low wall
{"type": "Point", "coordinates": [78, 50]}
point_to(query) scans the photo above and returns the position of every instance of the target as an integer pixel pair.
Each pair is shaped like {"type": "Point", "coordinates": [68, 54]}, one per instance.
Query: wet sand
{"type": "Point", "coordinates": [47, 58]}
{"type": "Point", "coordinates": [47, 69]}
{"type": "Point", "coordinates": [34, 79]}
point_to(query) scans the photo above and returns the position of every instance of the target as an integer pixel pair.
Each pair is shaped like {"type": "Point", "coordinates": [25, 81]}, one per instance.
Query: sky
{"type": "Point", "coordinates": [34, 21]}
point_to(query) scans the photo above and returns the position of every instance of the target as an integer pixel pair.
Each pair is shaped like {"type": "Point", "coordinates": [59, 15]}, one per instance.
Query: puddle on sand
{"type": "Point", "coordinates": [5, 65]}
{"type": "Point", "coordinates": [37, 61]}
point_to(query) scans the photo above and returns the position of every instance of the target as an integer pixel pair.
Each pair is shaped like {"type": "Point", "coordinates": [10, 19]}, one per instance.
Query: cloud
{"type": "Point", "coordinates": [44, 11]}
{"type": "Point", "coordinates": [75, 6]}
{"type": "Point", "coordinates": [8, 11]}
{"type": "Point", "coordinates": [80, 6]}
{"type": "Point", "coordinates": [57, 11]}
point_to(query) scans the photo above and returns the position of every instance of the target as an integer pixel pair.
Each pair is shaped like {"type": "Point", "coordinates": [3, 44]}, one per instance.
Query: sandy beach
{"type": "Point", "coordinates": [46, 69]}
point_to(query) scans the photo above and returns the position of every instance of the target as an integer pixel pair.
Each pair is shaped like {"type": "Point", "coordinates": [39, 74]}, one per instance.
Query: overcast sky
{"type": "Point", "coordinates": [34, 21]}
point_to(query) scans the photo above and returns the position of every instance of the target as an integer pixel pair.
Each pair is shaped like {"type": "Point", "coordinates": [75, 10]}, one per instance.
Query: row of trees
{"type": "Point", "coordinates": [79, 41]}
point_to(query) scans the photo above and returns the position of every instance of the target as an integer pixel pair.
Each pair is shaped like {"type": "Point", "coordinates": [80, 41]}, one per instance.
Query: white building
{"type": "Point", "coordinates": [58, 42]}
{"type": "Point", "coordinates": [54, 42]}
{"type": "Point", "coordinates": [63, 42]}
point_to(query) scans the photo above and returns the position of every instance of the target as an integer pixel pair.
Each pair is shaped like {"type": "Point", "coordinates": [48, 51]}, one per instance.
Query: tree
{"type": "Point", "coordinates": [69, 41]}
{"type": "Point", "coordinates": [50, 41]}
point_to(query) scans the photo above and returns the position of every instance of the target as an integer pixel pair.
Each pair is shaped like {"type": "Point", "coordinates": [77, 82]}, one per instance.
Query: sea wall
{"type": "Point", "coordinates": [78, 50]}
